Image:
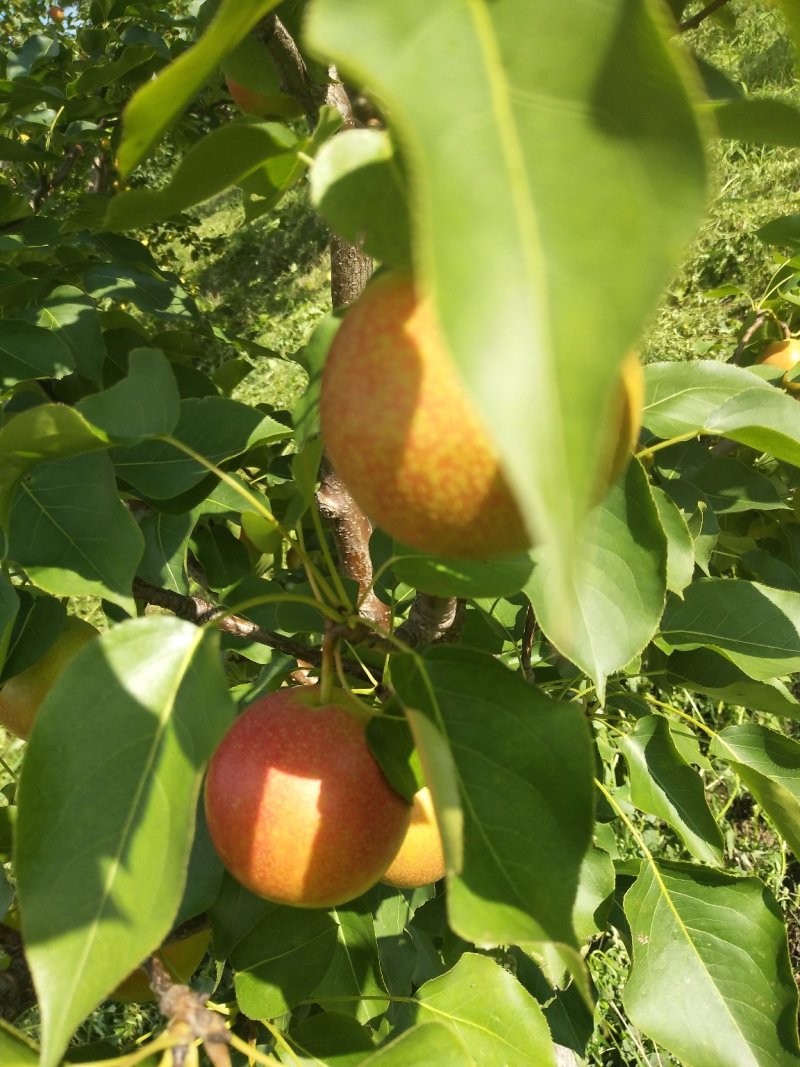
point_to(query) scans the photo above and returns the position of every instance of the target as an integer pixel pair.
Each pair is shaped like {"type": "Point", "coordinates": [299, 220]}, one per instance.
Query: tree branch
{"type": "Point", "coordinates": [432, 618]}
{"type": "Point", "coordinates": [693, 22]}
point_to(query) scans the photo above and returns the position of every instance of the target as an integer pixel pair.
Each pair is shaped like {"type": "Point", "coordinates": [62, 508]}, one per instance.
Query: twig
{"type": "Point", "coordinates": [527, 643]}
{"type": "Point", "coordinates": [351, 532]}
{"type": "Point", "coordinates": [744, 340]}
{"type": "Point", "coordinates": [189, 1018]}
{"type": "Point", "coordinates": [199, 611]}
{"type": "Point", "coordinates": [693, 22]}
{"type": "Point", "coordinates": [432, 618]}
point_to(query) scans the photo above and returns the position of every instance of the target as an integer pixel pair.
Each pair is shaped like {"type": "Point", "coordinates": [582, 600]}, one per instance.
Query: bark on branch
{"type": "Point", "coordinates": [693, 22]}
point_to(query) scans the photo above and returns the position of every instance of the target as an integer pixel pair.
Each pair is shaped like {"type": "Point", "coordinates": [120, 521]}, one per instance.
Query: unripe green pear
{"type": "Point", "coordinates": [405, 438]}
{"type": "Point", "coordinates": [23, 695]}
{"type": "Point", "coordinates": [298, 808]}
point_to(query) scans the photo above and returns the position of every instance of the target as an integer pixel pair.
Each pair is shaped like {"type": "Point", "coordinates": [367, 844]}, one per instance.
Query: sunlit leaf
{"type": "Point", "coordinates": [710, 979]}
{"type": "Point", "coordinates": [107, 807]}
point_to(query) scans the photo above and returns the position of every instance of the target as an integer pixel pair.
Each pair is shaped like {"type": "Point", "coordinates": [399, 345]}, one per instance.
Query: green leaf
{"type": "Point", "coordinates": [731, 487]}
{"type": "Point", "coordinates": [143, 404]}
{"type": "Point", "coordinates": [769, 765]}
{"type": "Point", "coordinates": [213, 426]}
{"type": "Point", "coordinates": [459, 577]}
{"type": "Point", "coordinates": [338, 1040]}
{"type": "Point", "coordinates": [710, 979]}
{"type": "Point", "coordinates": [783, 232]}
{"type": "Point", "coordinates": [49, 431]}
{"type": "Point", "coordinates": [663, 784]}
{"type": "Point", "coordinates": [428, 1043]}
{"type": "Point", "coordinates": [107, 73]}
{"type": "Point", "coordinates": [755, 626]}
{"type": "Point", "coordinates": [15, 1049]}
{"type": "Point", "coordinates": [619, 585]}
{"type": "Point", "coordinates": [107, 806]}
{"type": "Point", "coordinates": [358, 187]}
{"type": "Point", "coordinates": [680, 547]}
{"type": "Point", "coordinates": [511, 777]}
{"type": "Point", "coordinates": [767, 420]}
{"type": "Point", "coordinates": [71, 532]}
{"type": "Point", "coordinates": [28, 351]}
{"type": "Point", "coordinates": [157, 104]}
{"type": "Point", "coordinates": [222, 158]}
{"type": "Point", "coordinates": [595, 892]}
{"type": "Point", "coordinates": [680, 397]}
{"type": "Point", "coordinates": [354, 974]}
{"type": "Point", "coordinates": [758, 120]}
{"type": "Point", "coordinates": [9, 608]}
{"type": "Point", "coordinates": [486, 1007]}
{"type": "Point", "coordinates": [38, 621]}
{"type": "Point", "coordinates": [519, 284]}
{"type": "Point", "coordinates": [282, 959]}
{"type": "Point", "coordinates": [166, 543]}
{"type": "Point", "coordinates": [707, 672]}
{"type": "Point", "coordinates": [74, 318]}
{"type": "Point", "coordinates": [305, 414]}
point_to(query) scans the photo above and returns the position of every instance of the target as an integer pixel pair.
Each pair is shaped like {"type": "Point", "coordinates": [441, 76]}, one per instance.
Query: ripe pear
{"type": "Point", "coordinates": [181, 957]}
{"type": "Point", "coordinates": [420, 860]}
{"type": "Point", "coordinates": [781, 354]}
{"type": "Point", "coordinates": [298, 808]}
{"type": "Point", "coordinates": [405, 438]}
{"type": "Point", "coordinates": [23, 695]}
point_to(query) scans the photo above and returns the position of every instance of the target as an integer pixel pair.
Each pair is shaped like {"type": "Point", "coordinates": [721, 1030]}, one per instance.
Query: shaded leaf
{"type": "Point", "coordinates": [71, 532]}
{"type": "Point", "coordinates": [517, 768]}
{"type": "Point", "coordinates": [28, 351]}
{"type": "Point", "coordinates": [70, 314]}
{"type": "Point", "coordinates": [619, 585]}
{"type": "Point", "coordinates": [663, 784]}
{"type": "Point", "coordinates": [769, 765]}
{"type": "Point", "coordinates": [758, 120]}
{"type": "Point", "coordinates": [157, 104]}
{"type": "Point", "coordinates": [143, 404]}
{"type": "Point", "coordinates": [282, 959]}
{"type": "Point", "coordinates": [680, 546]}
{"type": "Point", "coordinates": [755, 626]}
{"type": "Point", "coordinates": [358, 187]}
{"type": "Point", "coordinates": [222, 158]}
{"type": "Point", "coordinates": [461, 578]}
{"type": "Point", "coordinates": [707, 672]}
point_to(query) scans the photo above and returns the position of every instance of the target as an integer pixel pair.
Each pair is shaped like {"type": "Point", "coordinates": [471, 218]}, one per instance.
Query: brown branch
{"type": "Point", "coordinates": [744, 341]}
{"type": "Point", "coordinates": [432, 618]}
{"type": "Point", "coordinates": [293, 74]}
{"type": "Point", "coordinates": [351, 531]}
{"type": "Point", "coordinates": [48, 186]}
{"type": "Point", "coordinates": [199, 611]}
{"type": "Point", "coordinates": [693, 22]}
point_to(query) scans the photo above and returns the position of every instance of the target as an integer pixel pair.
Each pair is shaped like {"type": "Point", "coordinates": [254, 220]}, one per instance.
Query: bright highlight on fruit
{"type": "Point", "coordinates": [23, 695]}
{"type": "Point", "coordinates": [405, 438]}
{"type": "Point", "coordinates": [420, 860]}
{"type": "Point", "coordinates": [298, 808]}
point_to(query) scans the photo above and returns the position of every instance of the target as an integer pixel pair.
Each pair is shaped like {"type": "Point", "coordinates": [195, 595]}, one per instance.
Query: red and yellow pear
{"type": "Point", "coordinates": [407, 441]}
{"type": "Point", "coordinates": [298, 808]}
{"type": "Point", "coordinates": [420, 860]}
{"type": "Point", "coordinates": [23, 695]}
